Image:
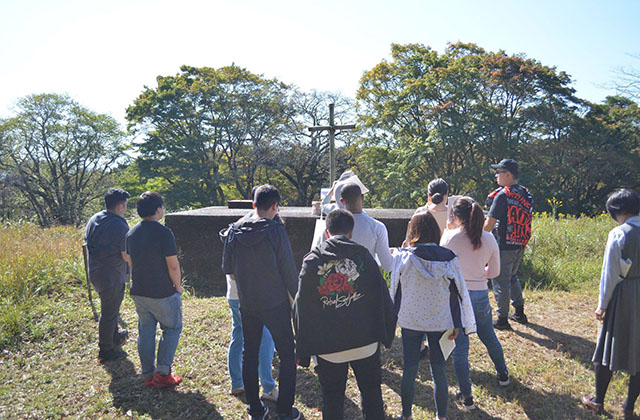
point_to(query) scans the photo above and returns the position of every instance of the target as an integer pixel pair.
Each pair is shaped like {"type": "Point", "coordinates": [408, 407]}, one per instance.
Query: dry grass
{"type": "Point", "coordinates": [59, 378]}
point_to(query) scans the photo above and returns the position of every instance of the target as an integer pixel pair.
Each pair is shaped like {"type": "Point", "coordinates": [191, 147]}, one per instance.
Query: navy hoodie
{"type": "Point", "coordinates": [258, 253]}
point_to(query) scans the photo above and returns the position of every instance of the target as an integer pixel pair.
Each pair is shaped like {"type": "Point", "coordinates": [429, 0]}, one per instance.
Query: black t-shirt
{"type": "Point", "coordinates": [148, 243]}
{"type": "Point", "coordinates": [514, 231]}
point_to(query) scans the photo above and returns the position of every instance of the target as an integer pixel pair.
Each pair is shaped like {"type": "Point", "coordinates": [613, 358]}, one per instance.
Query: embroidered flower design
{"type": "Point", "coordinates": [324, 269]}
{"type": "Point", "coordinates": [338, 277]}
{"type": "Point", "coordinates": [348, 268]}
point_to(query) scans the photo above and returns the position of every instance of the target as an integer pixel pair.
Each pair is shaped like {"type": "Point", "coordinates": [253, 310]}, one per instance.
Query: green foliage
{"type": "Point", "coordinates": [450, 115]}
{"type": "Point", "coordinates": [37, 265]}
{"type": "Point", "coordinates": [204, 129]}
{"type": "Point", "coordinates": [57, 155]}
{"type": "Point", "coordinates": [565, 253]}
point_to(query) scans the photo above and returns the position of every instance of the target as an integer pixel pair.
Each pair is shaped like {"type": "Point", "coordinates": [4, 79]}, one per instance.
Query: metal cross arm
{"type": "Point", "coordinates": [331, 128]}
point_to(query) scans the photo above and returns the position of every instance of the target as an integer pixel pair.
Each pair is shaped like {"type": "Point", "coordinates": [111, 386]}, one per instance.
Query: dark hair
{"type": "Point", "coordinates": [148, 203]}
{"type": "Point", "coordinates": [115, 196]}
{"type": "Point", "coordinates": [423, 229]}
{"type": "Point", "coordinates": [351, 193]}
{"type": "Point", "coordinates": [438, 188]}
{"type": "Point", "coordinates": [470, 214]}
{"type": "Point", "coordinates": [623, 201]}
{"type": "Point", "coordinates": [266, 196]}
{"type": "Point", "coordinates": [340, 222]}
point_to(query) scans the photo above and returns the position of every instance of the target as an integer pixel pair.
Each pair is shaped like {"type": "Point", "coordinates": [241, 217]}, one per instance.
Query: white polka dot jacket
{"type": "Point", "coordinates": [429, 291]}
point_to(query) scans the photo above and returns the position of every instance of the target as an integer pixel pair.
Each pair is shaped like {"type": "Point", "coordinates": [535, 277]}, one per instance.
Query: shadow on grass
{"type": "Point", "coordinates": [575, 347]}
{"type": "Point", "coordinates": [130, 394]}
{"type": "Point", "coordinates": [424, 394]}
{"type": "Point", "coordinates": [536, 404]}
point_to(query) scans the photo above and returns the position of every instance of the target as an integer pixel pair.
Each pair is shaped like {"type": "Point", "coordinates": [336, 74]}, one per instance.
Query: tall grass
{"type": "Point", "coordinates": [40, 265]}
{"type": "Point", "coordinates": [565, 253]}
{"type": "Point", "coordinates": [35, 265]}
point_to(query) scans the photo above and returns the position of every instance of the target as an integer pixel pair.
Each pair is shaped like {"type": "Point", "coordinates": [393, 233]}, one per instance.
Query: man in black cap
{"type": "Point", "coordinates": [511, 206]}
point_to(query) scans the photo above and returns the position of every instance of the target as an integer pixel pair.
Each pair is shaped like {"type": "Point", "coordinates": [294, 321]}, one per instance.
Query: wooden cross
{"type": "Point", "coordinates": [331, 128]}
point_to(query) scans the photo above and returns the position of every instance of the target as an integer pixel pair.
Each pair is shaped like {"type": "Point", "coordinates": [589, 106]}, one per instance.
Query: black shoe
{"type": "Point", "coordinates": [504, 380]}
{"type": "Point", "coordinates": [120, 338]}
{"type": "Point", "coordinates": [519, 315]}
{"type": "Point", "coordinates": [502, 323]}
{"type": "Point", "coordinates": [295, 415]}
{"type": "Point", "coordinates": [110, 355]}
{"type": "Point", "coordinates": [261, 416]}
{"type": "Point", "coordinates": [467, 402]}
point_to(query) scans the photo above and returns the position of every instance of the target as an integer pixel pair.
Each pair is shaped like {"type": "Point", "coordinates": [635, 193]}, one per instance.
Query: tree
{"type": "Point", "coordinates": [628, 81]}
{"type": "Point", "coordinates": [57, 154]}
{"type": "Point", "coordinates": [450, 115]}
{"type": "Point", "coordinates": [591, 156]}
{"type": "Point", "coordinates": [206, 132]}
{"type": "Point", "coordinates": [302, 157]}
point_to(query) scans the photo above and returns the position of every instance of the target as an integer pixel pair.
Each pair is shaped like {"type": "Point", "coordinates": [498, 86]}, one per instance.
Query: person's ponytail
{"type": "Point", "coordinates": [437, 198]}
{"type": "Point", "coordinates": [475, 225]}
{"type": "Point", "coordinates": [472, 218]}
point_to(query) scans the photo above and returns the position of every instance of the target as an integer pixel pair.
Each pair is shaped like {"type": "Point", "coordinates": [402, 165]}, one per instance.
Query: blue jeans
{"type": "Point", "coordinates": [168, 313]}
{"type": "Point", "coordinates": [506, 287]}
{"type": "Point", "coordinates": [484, 324]}
{"type": "Point", "coordinates": [411, 341]}
{"type": "Point", "coordinates": [234, 357]}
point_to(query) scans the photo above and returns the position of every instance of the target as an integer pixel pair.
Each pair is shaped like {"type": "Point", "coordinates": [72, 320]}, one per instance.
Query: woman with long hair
{"type": "Point", "coordinates": [429, 293]}
{"type": "Point", "coordinates": [619, 303]}
{"type": "Point", "coordinates": [480, 260]}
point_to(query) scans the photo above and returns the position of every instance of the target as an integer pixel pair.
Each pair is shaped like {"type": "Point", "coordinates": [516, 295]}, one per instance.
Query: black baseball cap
{"type": "Point", "coordinates": [508, 164]}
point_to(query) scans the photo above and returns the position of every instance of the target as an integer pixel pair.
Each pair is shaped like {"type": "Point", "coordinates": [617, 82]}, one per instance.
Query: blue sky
{"type": "Point", "coordinates": [103, 53]}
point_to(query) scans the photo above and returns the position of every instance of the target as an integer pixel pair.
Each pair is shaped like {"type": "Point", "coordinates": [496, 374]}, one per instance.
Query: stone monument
{"type": "Point", "coordinates": [200, 248]}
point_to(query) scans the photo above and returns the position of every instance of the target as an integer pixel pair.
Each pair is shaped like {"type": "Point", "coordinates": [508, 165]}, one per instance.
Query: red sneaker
{"type": "Point", "coordinates": [148, 382]}
{"type": "Point", "coordinates": [163, 381]}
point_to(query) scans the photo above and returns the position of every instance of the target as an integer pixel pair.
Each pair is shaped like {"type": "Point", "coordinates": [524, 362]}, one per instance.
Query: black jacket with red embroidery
{"type": "Point", "coordinates": [342, 301]}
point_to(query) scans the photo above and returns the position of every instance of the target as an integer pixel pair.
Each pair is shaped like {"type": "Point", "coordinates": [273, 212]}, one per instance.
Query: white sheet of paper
{"type": "Point", "coordinates": [447, 345]}
{"type": "Point", "coordinates": [625, 265]}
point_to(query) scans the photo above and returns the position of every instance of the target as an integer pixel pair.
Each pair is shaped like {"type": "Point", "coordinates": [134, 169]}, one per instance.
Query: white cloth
{"type": "Point", "coordinates": [477, 265]}
{"type": "Point", "coordinates": [611, 274]}
{"type": "Point", "coordinates": [352, 354]}
{"type": "Point", "coordinates": [232, 289]}
{"type": "Point", "coordinates": [373, 235]}
{"type": "Point", "coordinates": [425, 293]}
{"type": "Point", "coordinates": [332, 200]}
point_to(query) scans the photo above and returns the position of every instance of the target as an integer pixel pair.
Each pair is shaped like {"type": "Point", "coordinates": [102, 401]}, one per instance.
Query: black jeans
{"type": "Point", "coordinates": [278, 321]}
{"type": "Point", "coordinates": [333, 380]}
{"type": "Point", "coordinates": [110, 301]}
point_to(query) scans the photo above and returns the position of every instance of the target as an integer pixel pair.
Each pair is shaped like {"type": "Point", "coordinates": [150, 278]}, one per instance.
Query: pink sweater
{"type": "Point", "coordinates": [477, 265]}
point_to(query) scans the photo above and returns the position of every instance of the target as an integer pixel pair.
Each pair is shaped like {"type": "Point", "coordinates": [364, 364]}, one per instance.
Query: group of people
{"type": "Point", "coordinates": [342, 309]}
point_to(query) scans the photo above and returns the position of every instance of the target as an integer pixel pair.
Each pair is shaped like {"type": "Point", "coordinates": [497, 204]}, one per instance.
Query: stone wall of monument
{"type": "Point", "coordinates": [200, 248]}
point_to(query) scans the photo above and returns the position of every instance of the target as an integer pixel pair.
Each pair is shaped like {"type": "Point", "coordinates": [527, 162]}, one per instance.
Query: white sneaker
{"type": "Point", "coordinates": [271, 396]}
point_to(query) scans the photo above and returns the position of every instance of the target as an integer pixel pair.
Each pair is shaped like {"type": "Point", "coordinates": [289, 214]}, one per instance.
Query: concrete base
{"type": "Point", "coordinates": [200, 248]}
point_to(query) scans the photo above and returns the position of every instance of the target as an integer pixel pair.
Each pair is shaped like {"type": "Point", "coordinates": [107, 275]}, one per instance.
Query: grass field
{"type": "Point", "coordinates": [48, 366]}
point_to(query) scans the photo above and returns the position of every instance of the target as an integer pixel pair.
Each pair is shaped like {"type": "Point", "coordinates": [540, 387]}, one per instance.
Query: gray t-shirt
{"type": "Point", "coordinates": [105, 236]}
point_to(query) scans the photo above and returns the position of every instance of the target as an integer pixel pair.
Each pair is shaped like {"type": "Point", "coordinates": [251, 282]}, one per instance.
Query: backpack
{"type": "Point", "coordinates": [519, 214]}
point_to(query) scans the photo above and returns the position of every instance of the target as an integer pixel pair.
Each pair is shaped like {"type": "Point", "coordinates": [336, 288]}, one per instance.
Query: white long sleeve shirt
{"type": "Point", "coordinates": [611, 274]}
{"type": "Point", "coordinates": [373, 235]}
